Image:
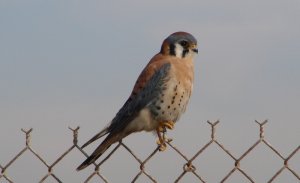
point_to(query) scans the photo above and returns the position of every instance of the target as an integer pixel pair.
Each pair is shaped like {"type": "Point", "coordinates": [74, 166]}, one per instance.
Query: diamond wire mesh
{"type": "Point", "coordinates": [188, 167]}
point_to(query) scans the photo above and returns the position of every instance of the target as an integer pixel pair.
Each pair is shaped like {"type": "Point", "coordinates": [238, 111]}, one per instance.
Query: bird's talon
{"type": "Point", "coordinates": [162, 144]}
{"type": "Point", "coordinates": [162, 147]}
{"type": "Point", "coordinates": [167, 124]}
{"type": "Point", "coordinates": [169, 139]}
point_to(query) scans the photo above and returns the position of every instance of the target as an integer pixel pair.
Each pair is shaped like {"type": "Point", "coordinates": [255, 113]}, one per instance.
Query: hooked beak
{"type": "Point", "coordinates": [194, 48]}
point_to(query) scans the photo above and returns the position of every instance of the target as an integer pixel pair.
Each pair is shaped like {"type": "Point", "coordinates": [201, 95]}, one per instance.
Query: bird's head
{"type": "Point", "coordinates": [180, 44]}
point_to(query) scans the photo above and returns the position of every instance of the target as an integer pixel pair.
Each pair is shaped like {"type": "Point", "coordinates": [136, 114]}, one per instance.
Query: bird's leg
{"type": "Point", "coordinates": [162, 128]}
{"type": "Point", "coordinates": [161, 139]}
{"type": "Point", "coordinates": [164, 136]}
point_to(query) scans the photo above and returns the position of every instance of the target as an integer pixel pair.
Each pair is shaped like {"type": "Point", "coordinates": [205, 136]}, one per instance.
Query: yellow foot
{"type": "Point", "coordinates": [161, 133]}
{"type": "Point", "coordinates": [168, 139]}
{"type": "Point", "coordinates": [167, 124]}
{"type": "Point", "coordinates": [162, 145]}
{"type": "Point", "coordinates": [161, 141]}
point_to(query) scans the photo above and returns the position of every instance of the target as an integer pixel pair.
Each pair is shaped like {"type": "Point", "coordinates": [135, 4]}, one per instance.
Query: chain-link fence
{"type": "Point", "coordinates": [188, 166]}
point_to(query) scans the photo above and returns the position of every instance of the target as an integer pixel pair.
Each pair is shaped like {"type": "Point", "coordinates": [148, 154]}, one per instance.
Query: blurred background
{"type": "Point", "coordinates": [74, 63]}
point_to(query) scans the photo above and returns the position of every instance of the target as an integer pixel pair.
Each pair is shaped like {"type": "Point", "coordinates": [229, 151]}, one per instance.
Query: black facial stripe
{"type": "Point", "coordinates": [172, 50]}
{"type": "Point", "coordinates": [184, 52]}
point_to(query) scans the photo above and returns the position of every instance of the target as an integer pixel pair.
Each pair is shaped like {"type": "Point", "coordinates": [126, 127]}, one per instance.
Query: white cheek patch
{"type": "Point", "coordinates": [178, 50]}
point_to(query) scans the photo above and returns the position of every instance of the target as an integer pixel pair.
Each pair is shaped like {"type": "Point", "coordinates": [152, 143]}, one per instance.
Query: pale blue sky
{"type": "Point", "coordinates": [69, 63]}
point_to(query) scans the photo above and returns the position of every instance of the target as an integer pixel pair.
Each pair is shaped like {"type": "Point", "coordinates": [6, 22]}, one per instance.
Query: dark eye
{"type": "Point", "coordinates": [183, 43]}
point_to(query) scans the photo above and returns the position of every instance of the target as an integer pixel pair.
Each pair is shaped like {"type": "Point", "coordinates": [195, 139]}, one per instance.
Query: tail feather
{"type": "Point", "coordinates": [97, 136]}
{"type": "Point", "coordinates": [92, 158]}
{"type": "Point", "coordinates": [109, 140]}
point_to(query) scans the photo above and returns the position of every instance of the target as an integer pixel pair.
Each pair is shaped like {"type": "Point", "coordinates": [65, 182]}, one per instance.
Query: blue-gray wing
{"type": "Point", "coordinates": [152, 88]}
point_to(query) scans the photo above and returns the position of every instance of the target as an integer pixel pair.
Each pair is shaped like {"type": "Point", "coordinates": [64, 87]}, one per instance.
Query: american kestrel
{"type": "Point", "coordinates": [159, 97]}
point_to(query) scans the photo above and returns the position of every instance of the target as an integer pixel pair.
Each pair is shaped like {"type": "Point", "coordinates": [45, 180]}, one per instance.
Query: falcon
{"type": "Point", "coordinates": [159, 96]}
